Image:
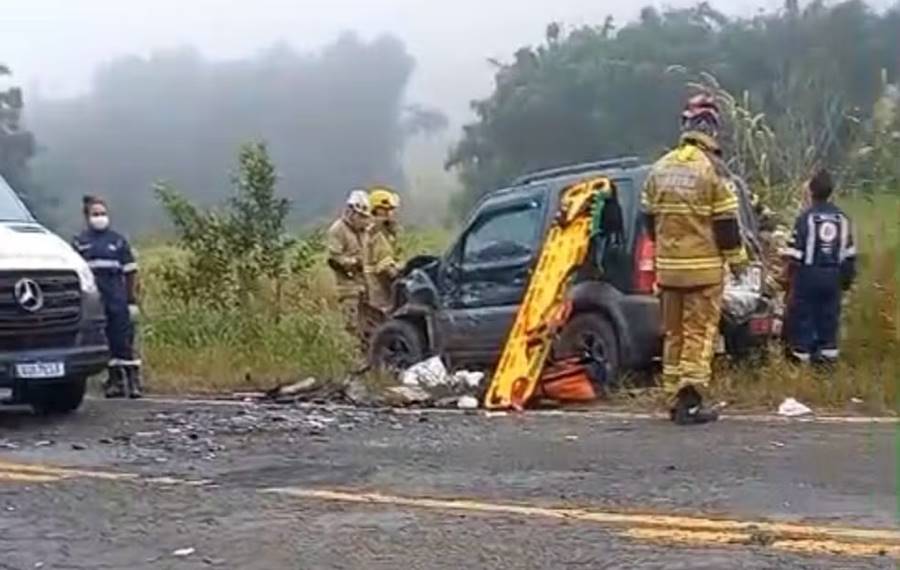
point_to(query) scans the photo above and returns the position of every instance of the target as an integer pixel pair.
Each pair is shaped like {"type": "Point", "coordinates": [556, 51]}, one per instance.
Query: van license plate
{"type": "Point", "coordinates": [38, 370]}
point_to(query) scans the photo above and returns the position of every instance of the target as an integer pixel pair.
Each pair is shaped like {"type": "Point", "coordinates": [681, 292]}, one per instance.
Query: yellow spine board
{"type": "Point", "coordinates": [544, 309]}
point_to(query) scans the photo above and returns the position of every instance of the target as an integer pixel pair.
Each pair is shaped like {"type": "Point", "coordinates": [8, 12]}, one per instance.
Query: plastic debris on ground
{"type": "Point", "coordinates": [184, 552]}
{"type": "Point", "coordinates": [741, 297]}
{"type": "Point", "coordinates": [467, 403]}
{"type": "Point", "coordinates": [408, 395]}
{"type": "Point", "coordinates": [446, 390]}
{"type": "Point", "coordinates": [791, 408]}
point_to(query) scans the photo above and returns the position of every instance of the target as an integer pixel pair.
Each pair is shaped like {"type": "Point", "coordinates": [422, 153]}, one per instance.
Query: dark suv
{"type": "Point", "coordinates": [461, 306]}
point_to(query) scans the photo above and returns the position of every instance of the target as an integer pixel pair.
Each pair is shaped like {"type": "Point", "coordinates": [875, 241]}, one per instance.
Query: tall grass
{"type": "Point", "coordinates": [870, 341]}
{"type": "Point", "coordinates": [286, 334]}
{"type": "Point", "coordinates": [298, 331]}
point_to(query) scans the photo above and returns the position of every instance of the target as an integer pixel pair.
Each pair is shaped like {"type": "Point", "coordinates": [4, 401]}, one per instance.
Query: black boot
{"type": "Point", "coordinates": [135, 383]}
{"type": "Point", "coordinates": [115, 382]}
{"type": "Point", "coordinates": [689, 409]}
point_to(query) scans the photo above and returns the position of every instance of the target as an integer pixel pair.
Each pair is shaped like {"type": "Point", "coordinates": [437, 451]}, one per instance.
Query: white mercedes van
{"type": "Point", "coordinates": [51, 318]}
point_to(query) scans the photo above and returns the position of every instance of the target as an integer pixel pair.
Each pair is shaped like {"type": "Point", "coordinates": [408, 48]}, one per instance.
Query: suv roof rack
{"type": "Point", "coordinates": [622, 162]}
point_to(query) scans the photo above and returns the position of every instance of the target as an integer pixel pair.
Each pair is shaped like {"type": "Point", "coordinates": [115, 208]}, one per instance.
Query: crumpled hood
{"type": "Point", "coordinates": [35, 249]}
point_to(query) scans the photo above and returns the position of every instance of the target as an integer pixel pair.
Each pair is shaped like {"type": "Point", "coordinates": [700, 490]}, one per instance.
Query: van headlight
{"type": "Point", "coordinates": [86, 277]}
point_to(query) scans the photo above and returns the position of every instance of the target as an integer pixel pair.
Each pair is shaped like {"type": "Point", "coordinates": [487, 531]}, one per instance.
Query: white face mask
{"type": "Point", "coordinates": [99, 223]}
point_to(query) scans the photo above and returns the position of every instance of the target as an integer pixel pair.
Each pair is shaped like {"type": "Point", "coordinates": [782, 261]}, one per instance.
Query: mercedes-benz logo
{"type": "Point", "coordinates": [29, 295]}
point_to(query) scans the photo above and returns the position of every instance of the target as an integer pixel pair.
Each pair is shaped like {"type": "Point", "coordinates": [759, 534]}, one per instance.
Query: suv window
{"type": "Point", "coordinates": [502, 234]}
{"type": "Point", "coordinates": [11, 208]}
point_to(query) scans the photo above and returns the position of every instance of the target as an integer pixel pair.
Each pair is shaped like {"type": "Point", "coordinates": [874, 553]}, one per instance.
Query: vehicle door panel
{"type": "Point", "coordinates": [493, 263]}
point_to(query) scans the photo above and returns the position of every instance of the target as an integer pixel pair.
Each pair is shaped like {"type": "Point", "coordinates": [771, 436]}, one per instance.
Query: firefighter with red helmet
{"type": "Point", "coordinates": [691, 209]}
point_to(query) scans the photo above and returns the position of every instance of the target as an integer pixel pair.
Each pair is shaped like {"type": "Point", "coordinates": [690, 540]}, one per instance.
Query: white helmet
{"type": "Point", "coordinates": [358, 201]}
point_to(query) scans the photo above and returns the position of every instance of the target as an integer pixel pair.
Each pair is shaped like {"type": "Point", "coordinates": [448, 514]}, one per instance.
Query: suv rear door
{"type": "Point", "coordinates": [487, 273]}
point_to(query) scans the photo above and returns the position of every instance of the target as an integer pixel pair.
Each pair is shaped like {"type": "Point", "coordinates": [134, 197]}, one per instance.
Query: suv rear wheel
{"type": "Point", "coordinates": [397, 345]}
{"type": "Point", "coordinates": [591, 334]}
{"type": "Point", "coordinates": [58, 399]}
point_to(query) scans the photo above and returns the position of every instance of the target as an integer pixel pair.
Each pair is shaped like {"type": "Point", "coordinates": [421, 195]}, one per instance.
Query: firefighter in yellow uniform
{"type": "Point", "coordinates": [383, 260]}
{"type": "Point", "coordinates": [346, 242]}
{"type": "Point", "coordinates": [691, 208]}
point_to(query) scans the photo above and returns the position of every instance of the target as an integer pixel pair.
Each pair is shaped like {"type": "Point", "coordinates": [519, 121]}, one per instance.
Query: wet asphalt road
{"type": "Point", "coordinates": [174, 485]}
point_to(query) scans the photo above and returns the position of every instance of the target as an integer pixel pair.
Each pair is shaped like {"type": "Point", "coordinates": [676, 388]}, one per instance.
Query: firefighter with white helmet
{"type": "Point", "coordinates": [346, 242]}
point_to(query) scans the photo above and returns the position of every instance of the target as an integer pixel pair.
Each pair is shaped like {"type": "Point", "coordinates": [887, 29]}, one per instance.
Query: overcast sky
{"type": "Point", "coordinates": [54, 45]}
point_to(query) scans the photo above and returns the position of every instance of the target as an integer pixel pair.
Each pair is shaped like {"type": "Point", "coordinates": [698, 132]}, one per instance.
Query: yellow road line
{"type": "Point", "coordinates": [27, 478]}
{"type": "Point", "coordinates": [59, 472]}
{"type": "Point", "coordinates": [695, 530]}
{"type": "Point", "coordinates": [36, 473]}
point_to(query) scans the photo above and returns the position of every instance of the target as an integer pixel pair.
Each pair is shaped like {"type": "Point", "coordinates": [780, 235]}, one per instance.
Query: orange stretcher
{"type": "Point", "coordinates": [545, 309]}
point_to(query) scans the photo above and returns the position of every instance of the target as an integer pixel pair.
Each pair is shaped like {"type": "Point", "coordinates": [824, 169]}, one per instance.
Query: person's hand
{"type": "Point", "coordinates": [134, 311]}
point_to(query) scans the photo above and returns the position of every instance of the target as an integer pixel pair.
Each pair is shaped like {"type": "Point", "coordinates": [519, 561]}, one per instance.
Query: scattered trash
{"type": "Point", "coordinates": [432, 373]}
{"type": "Point", "coordinates": [295, 389]}
{"type": "Point", "coordinates": [467, 403]}
{"type": "Point", "coordinates": [146, 434]}
{"type": "Point", "coordinates": [409, 395]}
{"type": "Point", "coordinates": [8, 445]}
{"type": "Point", "coordinates": [468, 378]}
{"type": "Point", "coordinates": [857, 400]}
{"type": "Point", "coordinates": [357, 393]}
{"type": "Point", "coordinates": [428, 373]}
{"type": "Point", "coordinates": [791, 408]}
{"type": "Point", "coordinates": [777, 444]}
{"type": "Point", "coordinates": [571, 438]}
{"type": "Point", "coordinates": [43, 443]}
{"type": "Point", "coordinates": [181, 552]}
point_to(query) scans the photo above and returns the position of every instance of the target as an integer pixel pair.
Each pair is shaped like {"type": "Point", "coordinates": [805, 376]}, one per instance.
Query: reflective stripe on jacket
{"type": "Point", "coordinates": [685, 194]}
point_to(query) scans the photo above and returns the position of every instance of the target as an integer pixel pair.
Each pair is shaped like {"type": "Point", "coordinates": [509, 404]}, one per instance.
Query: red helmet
{"type": "Point", "coordinates": [699, 109]}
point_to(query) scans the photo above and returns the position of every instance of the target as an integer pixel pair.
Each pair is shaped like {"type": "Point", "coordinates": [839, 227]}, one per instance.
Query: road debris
{"type": "Point", "coordinates": [182, 552]}
{"type": "Point", "coordinates": [467, 403]}
{"type": "Point", "coordinates": [791, 408]}
{"type": "Point", "coordinates": [289, 390]}
{"type": "Point", "coordinates": [408, 395]}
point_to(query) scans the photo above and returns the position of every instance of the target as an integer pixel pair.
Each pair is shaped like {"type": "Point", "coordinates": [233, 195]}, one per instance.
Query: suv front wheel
{"type": "Point", "coordinates": [397, 345]}
{"type": "Point", "coordinates": [591, 334]}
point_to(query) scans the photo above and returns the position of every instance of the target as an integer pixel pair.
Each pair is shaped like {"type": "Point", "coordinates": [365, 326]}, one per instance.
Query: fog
{"type": "Point", "coordinates": [122, 93]}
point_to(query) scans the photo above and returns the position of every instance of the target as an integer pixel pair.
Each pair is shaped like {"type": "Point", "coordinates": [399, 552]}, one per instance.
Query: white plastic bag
{"type": "Point", "coordinates": [791, 408]}
{"type": "Point", "coordinates": [428, 374]}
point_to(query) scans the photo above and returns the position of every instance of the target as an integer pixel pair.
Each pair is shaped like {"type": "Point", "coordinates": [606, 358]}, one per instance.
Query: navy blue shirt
{"type": "Point", "coordinates": [109, 256]}
{"type": "Point", "coordinates": [823, 238]}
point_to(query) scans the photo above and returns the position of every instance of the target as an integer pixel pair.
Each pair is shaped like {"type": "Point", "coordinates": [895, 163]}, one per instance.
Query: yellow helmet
{"type": "Point", "coordinates": [382, 197]}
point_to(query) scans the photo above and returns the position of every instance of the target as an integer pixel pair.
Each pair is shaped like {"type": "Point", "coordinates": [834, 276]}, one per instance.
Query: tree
{"type": "Point", "coordinates": [595, 93]}
{"type": "Point", "coordinates": [231, 253]}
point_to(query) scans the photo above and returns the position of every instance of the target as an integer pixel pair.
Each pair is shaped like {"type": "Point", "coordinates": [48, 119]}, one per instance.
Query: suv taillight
{"type": "Point", "coordinates": [644, 265]}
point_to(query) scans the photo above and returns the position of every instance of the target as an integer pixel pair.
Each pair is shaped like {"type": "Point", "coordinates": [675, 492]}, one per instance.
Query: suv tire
{"type": "Point", "coordinates": [58, 399]}
{"type": "Point", "coordinates": [397, 345]}
{"type": "Point", "coordinates": [591, 333]}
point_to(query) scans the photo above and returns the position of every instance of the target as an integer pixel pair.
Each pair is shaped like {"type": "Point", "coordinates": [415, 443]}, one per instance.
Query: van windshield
{"type": "Point", "coordinates": [11, 208]}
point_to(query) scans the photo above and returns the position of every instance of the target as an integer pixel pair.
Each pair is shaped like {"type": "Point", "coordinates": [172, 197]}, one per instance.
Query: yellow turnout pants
{"type": "Point", "coordinates": [691, 321]}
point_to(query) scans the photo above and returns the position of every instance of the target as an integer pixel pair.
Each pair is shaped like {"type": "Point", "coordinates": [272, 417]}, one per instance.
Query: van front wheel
{"type": "Point", "coordinates": [58, 399]}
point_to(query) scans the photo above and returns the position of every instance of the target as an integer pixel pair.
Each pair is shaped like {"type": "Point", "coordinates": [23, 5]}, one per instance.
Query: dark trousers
{"type": "Point", "coordinates": [815, 313]}
{"type": "Point", "coordinates": [120, 334]}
